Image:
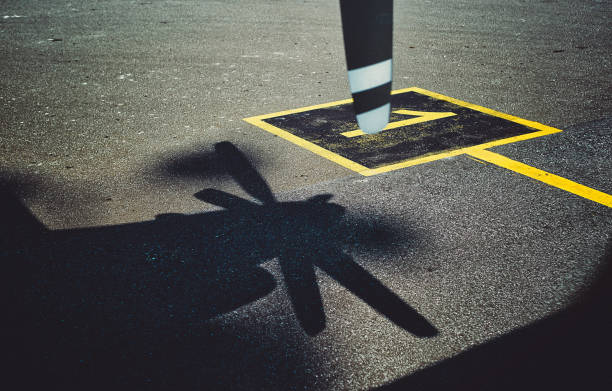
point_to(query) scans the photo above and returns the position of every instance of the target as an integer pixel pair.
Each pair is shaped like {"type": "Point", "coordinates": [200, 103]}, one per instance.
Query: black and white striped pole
{"type": "Point", "coordinates": [367, 26]}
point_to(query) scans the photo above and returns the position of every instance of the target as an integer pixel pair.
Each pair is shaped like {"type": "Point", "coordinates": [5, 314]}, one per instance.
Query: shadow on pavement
{"type": "Point", "coordinates": [127, 305]}
{"type": "Point", "coordinates": [567, 351]}
{"type": "Point", "coordinates": [198, 163]}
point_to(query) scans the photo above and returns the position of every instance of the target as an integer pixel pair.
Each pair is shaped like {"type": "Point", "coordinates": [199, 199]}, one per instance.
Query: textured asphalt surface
{"type": "Point", "coordinates": [114, 114]}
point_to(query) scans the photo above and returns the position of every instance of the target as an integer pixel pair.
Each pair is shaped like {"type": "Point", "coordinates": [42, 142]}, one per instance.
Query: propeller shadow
{"type": "Point", "coordinates": [305, 235]}
{"type": "Point", "coordinates": [141, 292]}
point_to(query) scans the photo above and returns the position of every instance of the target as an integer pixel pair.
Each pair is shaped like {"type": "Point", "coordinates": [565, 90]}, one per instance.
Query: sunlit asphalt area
{"type": "Point", "coordinates": [152, 239]}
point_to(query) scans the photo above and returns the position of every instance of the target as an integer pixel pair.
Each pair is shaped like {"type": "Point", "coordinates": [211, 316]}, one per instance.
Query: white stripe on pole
{"type": "Point", "coordinates": [373, 121]}
{"type": "Point", "coordinates": [370, 76]}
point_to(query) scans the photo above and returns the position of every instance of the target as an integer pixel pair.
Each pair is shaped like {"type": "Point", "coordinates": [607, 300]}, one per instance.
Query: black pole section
{"type": "Point", "coordinates": [368, 42]}
{"type": "Point", "coordinates": [367, 26]}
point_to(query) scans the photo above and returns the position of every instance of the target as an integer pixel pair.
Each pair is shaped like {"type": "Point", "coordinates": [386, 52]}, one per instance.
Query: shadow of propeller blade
{"type": "Point", "coordinates": [222, 199]}
{"type": "Point", "coordinates": [365, 286]}
{"type": "Point", "coordinates": [243, 172]}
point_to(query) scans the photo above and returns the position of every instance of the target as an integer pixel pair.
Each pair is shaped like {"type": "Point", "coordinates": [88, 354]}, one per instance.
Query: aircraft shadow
{"type": "Point", "coordinates": [127, 305]}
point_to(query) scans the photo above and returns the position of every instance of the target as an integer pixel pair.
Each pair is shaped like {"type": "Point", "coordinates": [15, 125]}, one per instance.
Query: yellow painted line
{"type": "Point", "coordinates": [476, 160]}
{"type": "Point", "coordinates": [300, 110]}
{"type": "Point", "coordinates": [258, 121]}
{"type": "Point", "coordinates": [306, 144]}
{"type": "Point", "coordinates": [319, 106]}
{"type": "Point", "coordinates": [456, 152]}
{"type": "Point", "coordinates": [412, 162]}
{"type": "Point", "coordinates": [543, 176]}
{"type": "Point", "coordinates": [422, 116]}
{"type": "Point", "coordinates": [359, 132]}
{"type": "Point", "coordinates": [532, 124]}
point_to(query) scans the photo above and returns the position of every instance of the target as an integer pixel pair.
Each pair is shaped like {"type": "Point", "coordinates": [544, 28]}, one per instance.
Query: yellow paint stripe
{"type": "Point", "coordinates": [306, 145]}
{"type": "Point", "coordinates": [476, 160]}
{"type": "Point", "coordinates": [423, 91]}
{"type": "Point", "coordinates": [319, 106]}
{"type": "Point", "coordinates": [258, 121]}
{"type": "Point", "coordinates": [299, 110]}
{"type": "Point", "coordinates": [356, 133]}
{"type": "Point", "coordinates": [422, 116]}
{"type": "Point", "coordinates": [543, 176]}
{"type": "Point", "coordinates": [485, 110]}
{"type": "Point", "coordinates": [411, 162]}
{"type": "Point", "coordinates": [314, 107]}
{"type": "Point", "coordinates": [456, 152]}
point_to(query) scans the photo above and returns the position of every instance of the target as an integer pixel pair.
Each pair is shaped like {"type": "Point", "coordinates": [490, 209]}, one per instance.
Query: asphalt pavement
{"type": "Point", "coordinates": [153, 239]}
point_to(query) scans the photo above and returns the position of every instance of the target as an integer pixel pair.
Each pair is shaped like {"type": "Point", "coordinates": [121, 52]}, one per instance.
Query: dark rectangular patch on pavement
{"type": "Point", "coordinates": [446, 125]}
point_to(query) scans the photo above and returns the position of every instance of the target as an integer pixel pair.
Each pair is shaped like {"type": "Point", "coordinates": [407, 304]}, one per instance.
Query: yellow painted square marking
{"type": "Point", "coordinates": [424, 126]}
